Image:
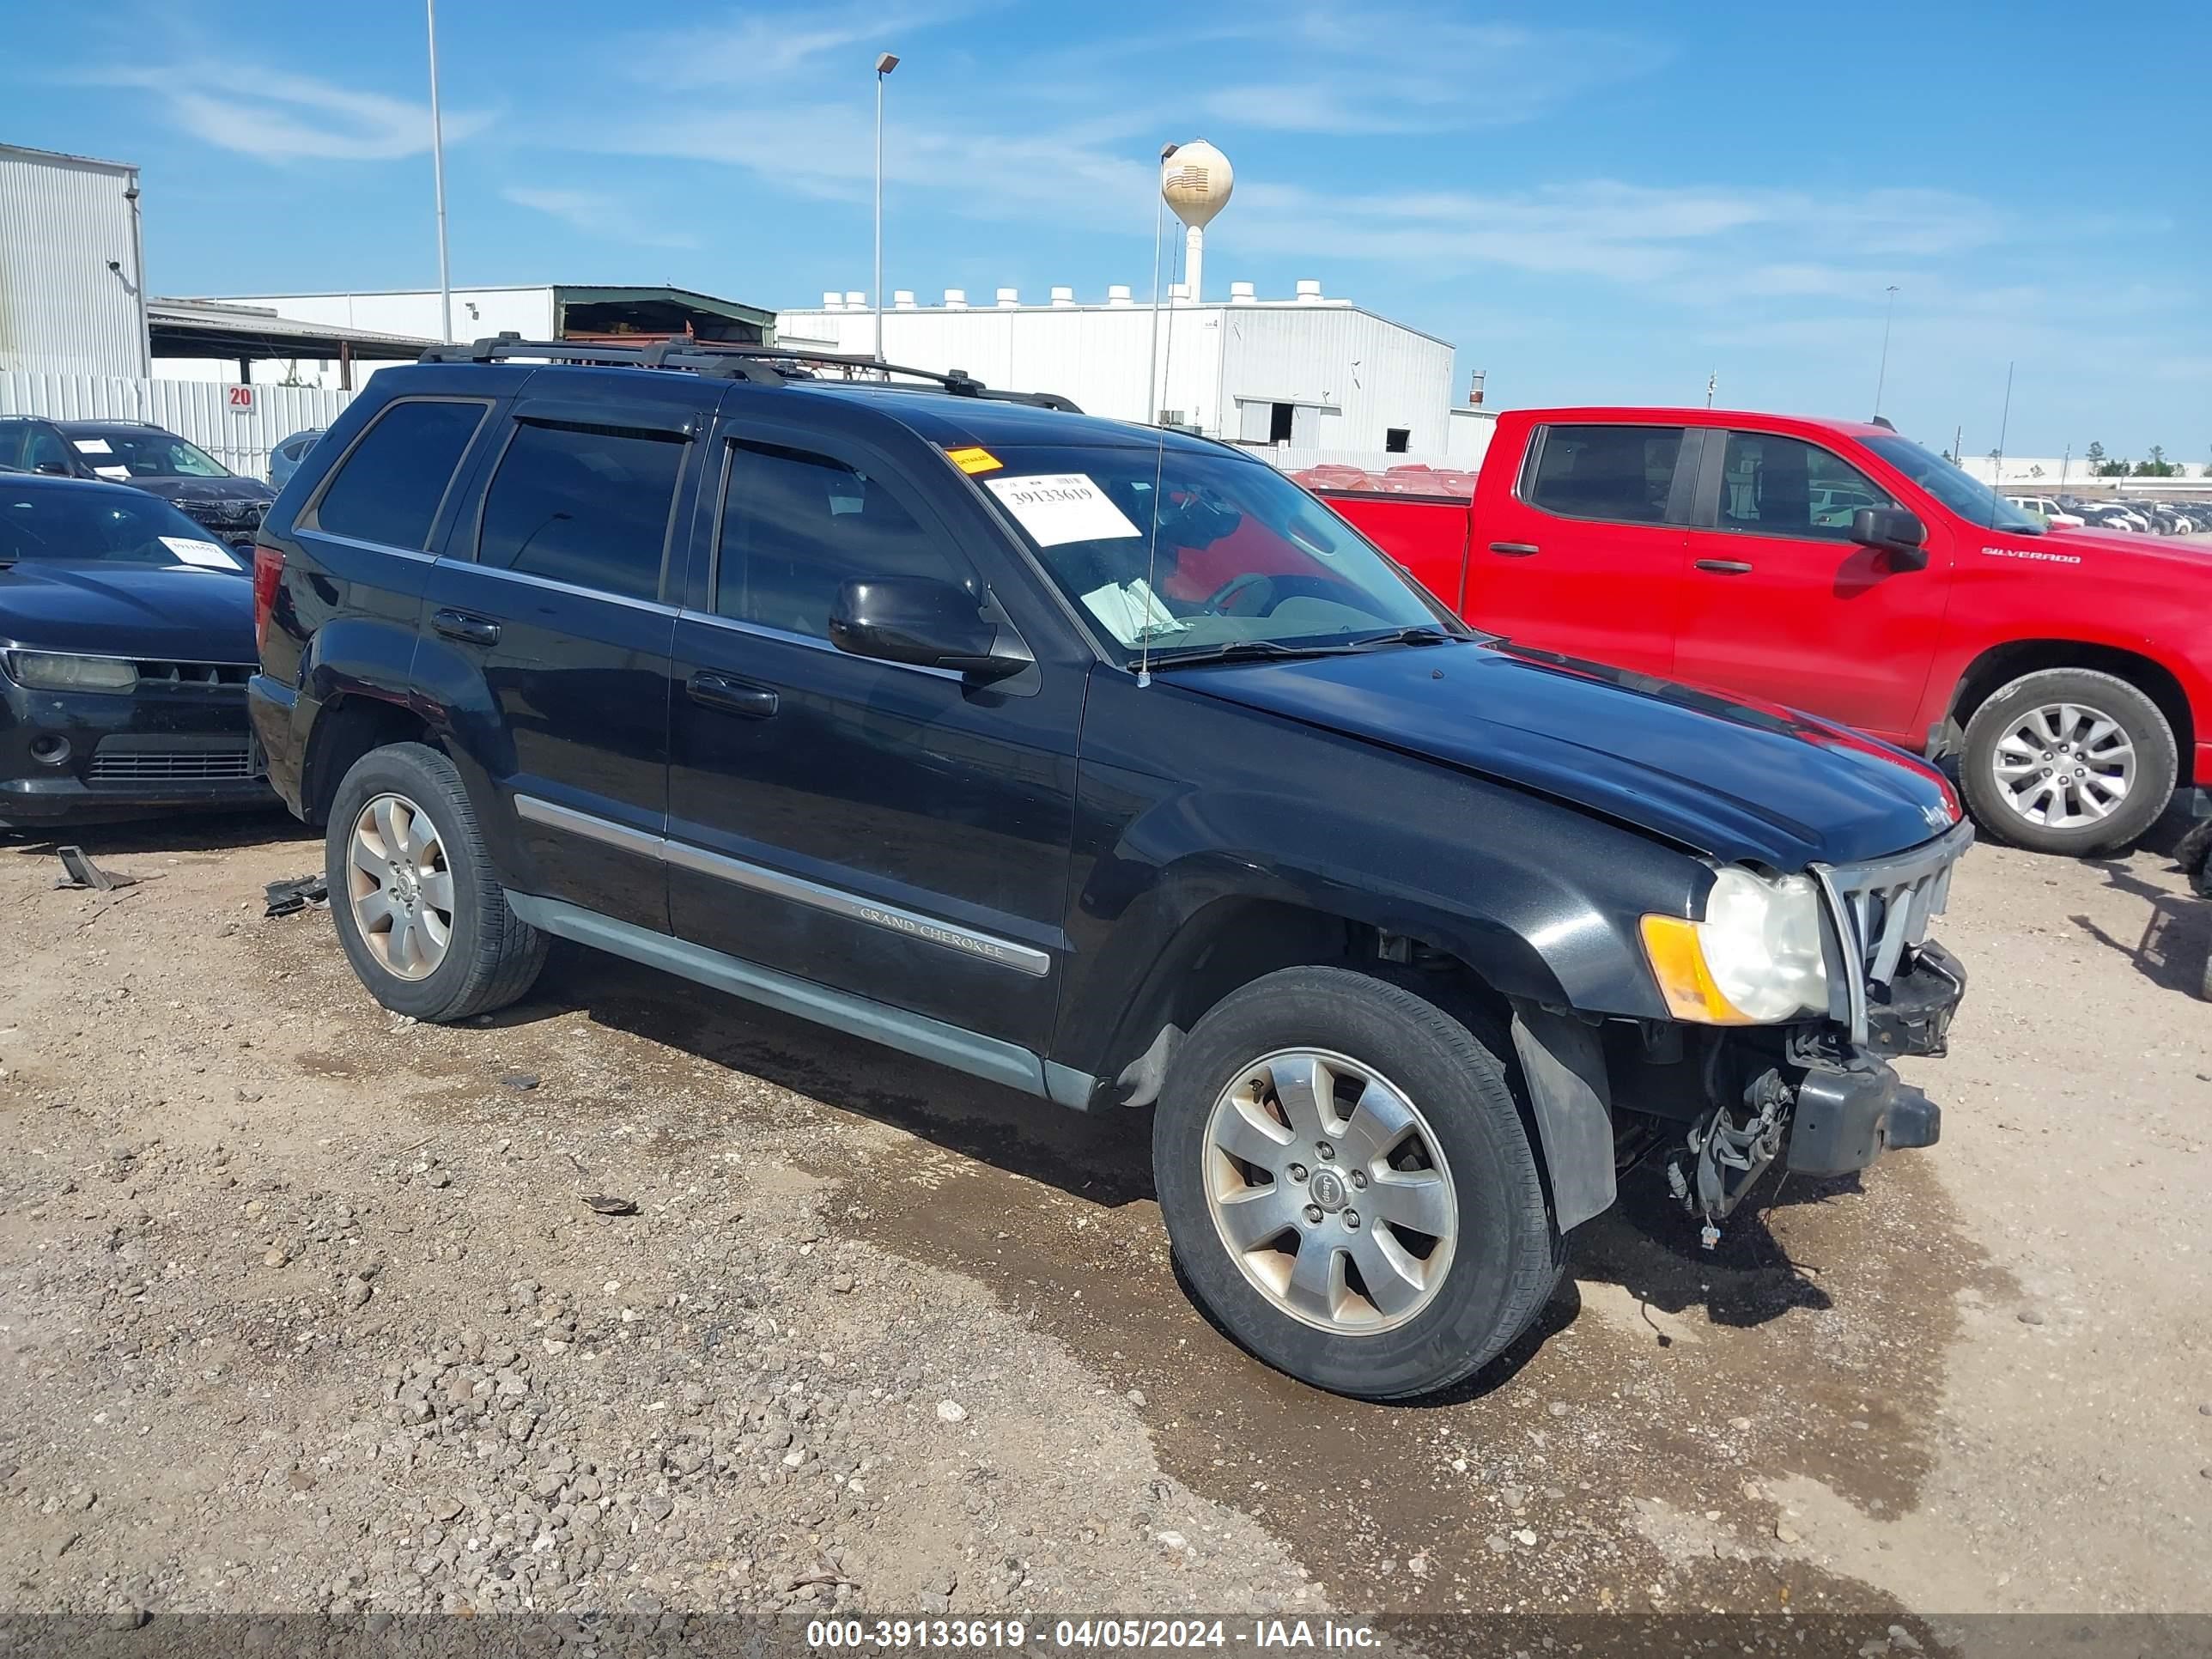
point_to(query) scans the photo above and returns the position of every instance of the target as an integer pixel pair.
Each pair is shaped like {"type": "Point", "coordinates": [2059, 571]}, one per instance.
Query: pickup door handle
{"type": "Point", "coordinates": [732, 696]}
{"type": "Point", "coordinates": [1725, 567]}
{"type": "Point", "coordinates": [1514, 549]}
{"type": "Point", "coordinates": [460, 625]}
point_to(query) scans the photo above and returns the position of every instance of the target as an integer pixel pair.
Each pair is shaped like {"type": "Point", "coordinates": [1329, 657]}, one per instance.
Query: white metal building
{"type": "Point", "coordinates": [1309, 372]}
{"type": "Point", "coordinates": [72, 281]}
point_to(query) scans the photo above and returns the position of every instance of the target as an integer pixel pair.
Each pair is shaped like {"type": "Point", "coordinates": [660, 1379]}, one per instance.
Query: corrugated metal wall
{"type": "Point", "coordinates": [198, 409]}
{"type": "Point", "coordinates": [1376, 374]}
{"type": "Point", "coordinates": [1353, 376]}
{"type": "Point", "coordinates": [62, 220]}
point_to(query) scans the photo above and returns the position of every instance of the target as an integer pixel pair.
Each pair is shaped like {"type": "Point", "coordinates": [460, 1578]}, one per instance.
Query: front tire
{"type": "Point", "coordinates": [421, 917]}
{"type": "Point", "coordinates": [1348, 1185]}
{"type": "Point", "coordinates": [2069, 761]}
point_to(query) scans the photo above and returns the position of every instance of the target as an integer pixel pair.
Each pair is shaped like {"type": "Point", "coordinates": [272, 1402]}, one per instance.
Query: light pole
{"type": "Point", "coordinates": [886, 62]}
{"type": "Point", "coordinates": [438, 172]}
{"type": "Point", "coordinates": [1882, 379]}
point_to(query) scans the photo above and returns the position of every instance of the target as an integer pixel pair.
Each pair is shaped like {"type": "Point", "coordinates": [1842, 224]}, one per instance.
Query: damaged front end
{"type": "Point", "coordinates": [1716, 1104]}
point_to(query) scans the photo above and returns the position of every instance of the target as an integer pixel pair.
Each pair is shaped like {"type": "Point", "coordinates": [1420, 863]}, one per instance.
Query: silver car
{"type": "Point", "coordinates": [285, 458]}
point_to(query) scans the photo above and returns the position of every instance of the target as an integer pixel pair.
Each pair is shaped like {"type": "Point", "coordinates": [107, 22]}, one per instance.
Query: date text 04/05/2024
{"type": "Point", "coordinates": [1095, 1634]}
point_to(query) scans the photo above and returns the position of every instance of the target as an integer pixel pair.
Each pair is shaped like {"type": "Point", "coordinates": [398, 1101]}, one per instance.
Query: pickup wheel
{"type": "Point", "coordinates": [1348, 1185]}
{"type": "Point", "coordinates": [422, 919]}
{"type": "Point", "coordinates": [2069, 761]}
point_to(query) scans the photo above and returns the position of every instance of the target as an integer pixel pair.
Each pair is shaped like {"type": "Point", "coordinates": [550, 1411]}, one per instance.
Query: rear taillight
{"type": "Point", "coordinates": [268, 571]}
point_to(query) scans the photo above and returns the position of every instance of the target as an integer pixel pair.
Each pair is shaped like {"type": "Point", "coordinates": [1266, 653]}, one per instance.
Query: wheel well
{"type": "Point", "coordinates": [344, 731]}
{"type": "Point", "coordinates": [1233, 941]}
{"type": "Point", "coordinates": [2000, 666]}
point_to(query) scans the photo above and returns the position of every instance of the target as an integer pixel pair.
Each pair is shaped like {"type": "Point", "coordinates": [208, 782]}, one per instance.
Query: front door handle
{"type": "Point", "coordinates": [1514, 549]}
{"type": "Point", "coordinates": [1725, 567]}
{"type": "Point", "coordinates": [470, 630]}
{"type": "Point", "coordinates": [732, 696]}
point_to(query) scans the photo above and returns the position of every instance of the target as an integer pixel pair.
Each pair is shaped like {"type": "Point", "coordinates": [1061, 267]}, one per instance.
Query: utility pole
{"type": "Point", "coordinates": [1881, 380]}
{"type": "Point", "coordinates": [886, 62]}
{"type": "Point", "coordinates": [438, 172]}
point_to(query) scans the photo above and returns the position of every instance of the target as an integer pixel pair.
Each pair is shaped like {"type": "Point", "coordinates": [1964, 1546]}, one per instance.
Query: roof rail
{"type": "Point", "coordinates": [763, 365]}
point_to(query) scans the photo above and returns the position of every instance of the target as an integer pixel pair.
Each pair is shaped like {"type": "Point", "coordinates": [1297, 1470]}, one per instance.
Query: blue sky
{"type": "Point", "coordinates": [1602, 203]}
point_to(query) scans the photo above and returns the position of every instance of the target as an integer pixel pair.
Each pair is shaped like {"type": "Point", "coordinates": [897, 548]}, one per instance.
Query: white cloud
{"type": "Point", "coordinates": [752, 47]}
{"type": "Point", "coordinates": [597, 213]}
{"type": "Point", "coordinates": [279, 116]}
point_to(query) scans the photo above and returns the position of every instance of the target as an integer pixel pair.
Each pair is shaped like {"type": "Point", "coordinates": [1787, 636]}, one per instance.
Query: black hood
{"type": "Point", "coordinates": [207, 489]}
{"type": "Point", "coordinates": [99, 608]}
{"type": "Point", "coordinates": [1727, 779]}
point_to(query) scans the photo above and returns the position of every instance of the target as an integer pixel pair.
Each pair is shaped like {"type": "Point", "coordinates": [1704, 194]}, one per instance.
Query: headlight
{"type": "Point", "coordinates": [1755, 959]}
{"type": "Point", "coordinates": [43, 670]}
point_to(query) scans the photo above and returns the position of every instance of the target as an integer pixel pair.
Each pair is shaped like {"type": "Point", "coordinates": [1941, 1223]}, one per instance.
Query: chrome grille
{"type": "Point", "coordinates": [1881, 909]}
{"type": "Point", "coordinates": [127, 760]}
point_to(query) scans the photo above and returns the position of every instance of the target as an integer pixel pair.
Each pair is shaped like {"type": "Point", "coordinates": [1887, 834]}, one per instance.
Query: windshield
{"type": "Point", "coordinates": [148, 454]}
{"type": "Point", "coordinates": [1968, 497]}
{"type": "Point", "coordinates": [82, 521]}
{"type": "Point", "coordinates": [1244, 555]}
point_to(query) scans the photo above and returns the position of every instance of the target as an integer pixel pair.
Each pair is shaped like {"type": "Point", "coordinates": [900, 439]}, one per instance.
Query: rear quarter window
{"type": "Point", "coordinates": [388, 487]}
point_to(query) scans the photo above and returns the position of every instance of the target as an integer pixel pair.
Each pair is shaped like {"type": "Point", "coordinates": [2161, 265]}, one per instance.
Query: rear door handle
{"type": "Point", "coordinates": [1514, 549]}
{"type": "Point", "coordinates": [460, 625]}
{"type": "Point", "coordinates": [1725, 567]}
{"type": "Point", "coordinates": [732, 696]}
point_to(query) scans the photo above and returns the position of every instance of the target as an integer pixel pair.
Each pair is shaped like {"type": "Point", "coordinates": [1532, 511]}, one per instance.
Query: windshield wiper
{"type": "Point", "coordinates": [1420, 633]}
{"type": "Point", "coordinates": [1247, 651]}
{"type": "Point", "coordinates": [1275, 651]}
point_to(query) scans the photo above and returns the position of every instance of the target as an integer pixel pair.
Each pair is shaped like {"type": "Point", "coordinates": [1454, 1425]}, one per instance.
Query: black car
{"type": "Point", "coordinates": [126, 639]}
{"type": "Point", "coordinates": [1109, 765]}
{"type": "Point", "coordinates": [143, 456]}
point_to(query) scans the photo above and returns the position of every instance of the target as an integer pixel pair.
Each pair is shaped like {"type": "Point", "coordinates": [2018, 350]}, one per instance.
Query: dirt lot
{"type": "Point", "coordinates": [301, 1308]}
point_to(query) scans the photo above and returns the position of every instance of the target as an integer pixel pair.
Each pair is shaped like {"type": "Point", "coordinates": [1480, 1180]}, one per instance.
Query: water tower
{"type": "Point", "coordinates": [1195, 179]}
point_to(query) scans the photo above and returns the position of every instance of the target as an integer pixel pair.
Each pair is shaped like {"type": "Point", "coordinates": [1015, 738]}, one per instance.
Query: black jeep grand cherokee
{"type": "Point", "coordinates": [1109, 765]}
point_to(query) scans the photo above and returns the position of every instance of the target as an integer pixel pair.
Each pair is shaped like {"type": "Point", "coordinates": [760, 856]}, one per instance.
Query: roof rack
{"type": "Point", "coordinates": [763, 365]}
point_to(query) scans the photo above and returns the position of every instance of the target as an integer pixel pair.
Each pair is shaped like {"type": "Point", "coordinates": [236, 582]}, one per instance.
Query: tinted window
{"type": "Point", "coordinates": [1969, 498]}
{"type": "Point", "coordinates": [1786, 487]}
{"type": "Point", "coordinates": [797, 526]}
{"type": "Point", "coordinates": [1619, 472]}
{"type": "Point", "coordinates": [583, 504]}
{"type": "Point", "coordinates": [43, 447]}
{"type": "Point", "coordinates": [387, 490]}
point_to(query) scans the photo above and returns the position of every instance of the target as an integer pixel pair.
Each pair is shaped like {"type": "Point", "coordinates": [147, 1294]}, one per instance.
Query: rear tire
{"type": "Point", "coordinates": [401, 829]}
{"type": "Point", "coordinates": [2055, 731]}
{"type": "Point", "coordinates": [1456, 1253]}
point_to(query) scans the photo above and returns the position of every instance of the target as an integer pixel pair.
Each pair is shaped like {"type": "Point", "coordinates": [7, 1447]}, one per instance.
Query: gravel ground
{"type": "Point", "coordinates": [302, 1308]}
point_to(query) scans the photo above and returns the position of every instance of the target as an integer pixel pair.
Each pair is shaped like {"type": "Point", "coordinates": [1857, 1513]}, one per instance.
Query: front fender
{"type": "Point", "coordinates": [1540, 900]}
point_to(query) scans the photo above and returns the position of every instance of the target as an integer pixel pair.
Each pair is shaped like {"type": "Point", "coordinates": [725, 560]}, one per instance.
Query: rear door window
{"type": "Point", "coordinates": [1623, 474]}
{"type": "Point", "coordinates": [796, 527]}
{"type": "Point", "coordinates": [388, 489]}
{"type": "Point", "coordinates": [585, 505]}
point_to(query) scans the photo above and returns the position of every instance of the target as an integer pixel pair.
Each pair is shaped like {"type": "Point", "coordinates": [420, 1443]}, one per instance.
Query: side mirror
{"type": "Point", "coordinates": [1892, 530]}
{"type": "Point", "coordinates": [919, 620]}
{"type": "Point", "coordinates": [54, 468]}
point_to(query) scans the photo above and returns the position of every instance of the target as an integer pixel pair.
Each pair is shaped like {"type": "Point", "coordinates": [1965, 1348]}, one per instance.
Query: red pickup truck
{"type": "Point", "coordinates": [1842, 569]}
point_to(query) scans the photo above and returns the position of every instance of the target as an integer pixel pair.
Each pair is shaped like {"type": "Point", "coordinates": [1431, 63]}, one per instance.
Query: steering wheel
{"type": "Point", "coordinates": [1243, 581]}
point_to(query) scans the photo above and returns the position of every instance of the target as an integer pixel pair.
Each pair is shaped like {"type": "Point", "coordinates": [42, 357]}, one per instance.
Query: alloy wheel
{"type": "Point", "coordinates": [400, 886]}
{"type": "Point", "coordinates": [2062, 765]}
{"type": "Point", "coordinates": [1329, 1191]}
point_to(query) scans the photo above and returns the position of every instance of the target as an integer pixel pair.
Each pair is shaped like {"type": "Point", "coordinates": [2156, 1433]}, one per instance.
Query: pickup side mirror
{"type": "Point", "coordinates": [924, 622]}
{"type": "Point", "coordinates": [1892, 530]}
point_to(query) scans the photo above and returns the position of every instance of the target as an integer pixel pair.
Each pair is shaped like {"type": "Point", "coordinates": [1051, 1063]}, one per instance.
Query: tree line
{"type": "Point", "coordinates": [2157, 466]}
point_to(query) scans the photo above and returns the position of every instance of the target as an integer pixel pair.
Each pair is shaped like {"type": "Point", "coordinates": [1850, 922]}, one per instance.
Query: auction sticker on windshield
{"type": "Point", "coordinates": [207, 555]}
{"type": "Point", "coordinates": [1062, 506]}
